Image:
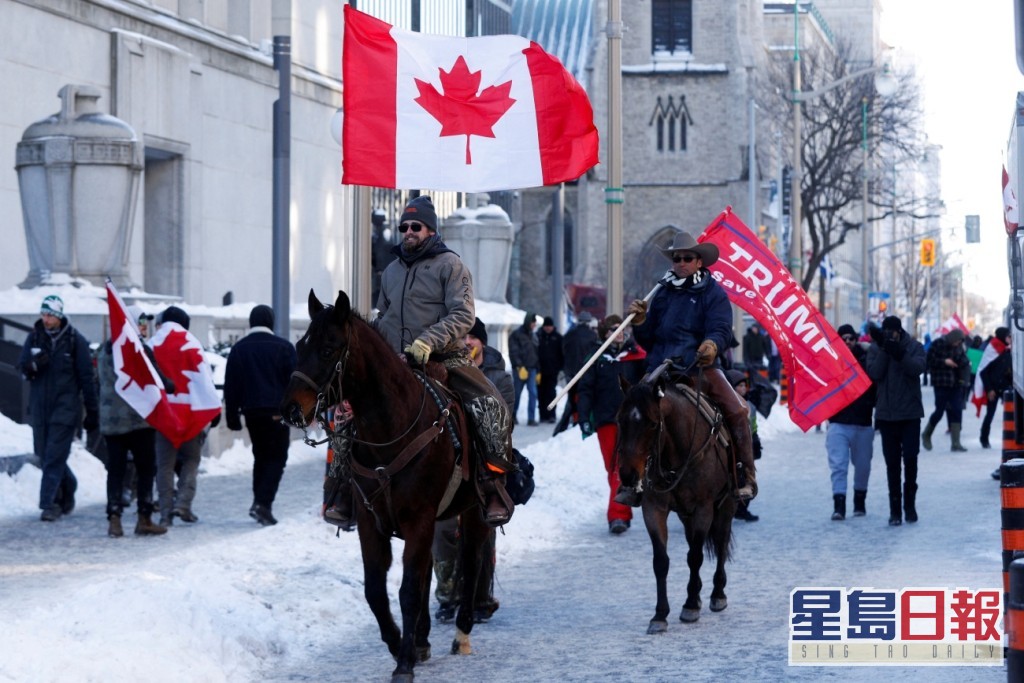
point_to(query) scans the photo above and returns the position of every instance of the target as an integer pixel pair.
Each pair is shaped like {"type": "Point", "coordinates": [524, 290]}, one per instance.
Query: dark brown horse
{"type": "Point", "coordinates": [664, 442]}
{"type": "Point", "coordinates": [403, 463]}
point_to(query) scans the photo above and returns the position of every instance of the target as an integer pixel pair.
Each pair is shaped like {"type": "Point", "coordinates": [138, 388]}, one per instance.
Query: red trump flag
{"type": "Point", "coordinates": [823, 375]}
{"type": "Point", "coordinates": [137, 382]}
{"type": "Point", "coordinates": [454, 113]}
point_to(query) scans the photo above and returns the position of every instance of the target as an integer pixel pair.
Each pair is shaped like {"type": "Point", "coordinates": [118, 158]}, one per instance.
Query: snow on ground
{"type": "Point", "coordinates": [226, 600]}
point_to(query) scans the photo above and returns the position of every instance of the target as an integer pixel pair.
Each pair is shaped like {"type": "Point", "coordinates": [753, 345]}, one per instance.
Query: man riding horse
{"type": "Point", "coordinates": [690, 321]}
{"type": "Point", "coordinates": [426, 307]}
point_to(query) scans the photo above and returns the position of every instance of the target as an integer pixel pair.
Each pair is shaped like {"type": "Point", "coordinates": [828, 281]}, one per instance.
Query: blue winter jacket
{"type": "Point", "coordinates": [680, 317]}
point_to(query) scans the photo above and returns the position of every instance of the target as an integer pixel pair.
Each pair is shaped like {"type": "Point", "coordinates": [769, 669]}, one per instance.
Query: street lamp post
{"type": "Point", "coordinates": [865, 264]}
{"type": "Point", "coordinates": [885, 85]}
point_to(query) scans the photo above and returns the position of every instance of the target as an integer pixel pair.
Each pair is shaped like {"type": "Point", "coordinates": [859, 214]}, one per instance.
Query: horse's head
{"type": "Point", "coordinates": [639, 426]}
{"type": "Point", "coordinates": [321, 354]}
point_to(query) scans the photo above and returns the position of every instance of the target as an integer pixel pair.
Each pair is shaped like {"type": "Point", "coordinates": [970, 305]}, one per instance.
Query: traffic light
{"type": "Point", "coordinates": [928, 252]}
{"type": "Point", "coordinates": [787, 190]}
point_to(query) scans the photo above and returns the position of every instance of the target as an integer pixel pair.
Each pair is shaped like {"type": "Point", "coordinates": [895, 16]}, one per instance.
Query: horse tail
{"type": "Point", "coordinates": [720, 537]}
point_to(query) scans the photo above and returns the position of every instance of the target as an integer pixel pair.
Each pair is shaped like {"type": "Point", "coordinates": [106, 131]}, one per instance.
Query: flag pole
{"type": "Point", "coordinates": [597, 354]}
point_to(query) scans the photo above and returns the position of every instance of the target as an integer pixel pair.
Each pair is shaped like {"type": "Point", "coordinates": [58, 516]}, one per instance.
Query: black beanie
{"type": "Point", "coordinates": [845, 330]}
{"type": "Point", "coordinates": [173, 314]}
{"type": "Point", "coordinates": [420, 209]}
{"type": "Point", "coordinates": [261, 316]}
{"type": "Point", "coordinates": [892, 323]}
{"type": "Point", "coordinates": [479, 330]}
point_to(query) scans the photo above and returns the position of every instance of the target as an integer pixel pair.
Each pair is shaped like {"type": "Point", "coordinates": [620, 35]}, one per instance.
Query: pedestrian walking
{"type": "Point", "coordinates": [987, 393]}
{"type": "Point", "coordinates": [850, 439]}
{"type": "Point", "coordinates": [600, 395]}
{"type": "Point", "coordinates": [56, 362]}
{"type": "Point", "coordinates": [741, 383]}
{"type": "Point", "coordinates": [754, 351]}
{"type": "Point", "coordinates": [127, 434]}
{"type": "Point", "coordinates": [895, 363]}
{"type": "Point", "coordinates": [524, 353]}
{"type": "Point", "coordinates": [576, 344]}
{"type": "Point", "coordinates": [950, 372]}
{"type": "Point", "coordinates": [551, 359]}
{"type": "Point", "coordinates": [259, 367]}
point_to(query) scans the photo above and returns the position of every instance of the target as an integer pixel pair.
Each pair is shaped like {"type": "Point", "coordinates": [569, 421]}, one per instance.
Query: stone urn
{"type": "Point", "coordinates": [78, 173]}
{"type": "Point", "coordinates": [483, 237]}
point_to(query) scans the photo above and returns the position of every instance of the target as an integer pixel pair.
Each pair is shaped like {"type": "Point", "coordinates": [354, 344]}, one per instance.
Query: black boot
{"type": "Point", "coordinates": [858, 503]}
{"type": "Point", "coordinates": [498, 507]}
{"type": "Point", "coordinates": [839, 507]}
{"type": "Point", "coordinates": [909, 500]}
{"type": "Point", "coordinates": [895, 509]}
{"type": "Point", "coordinates": [338, 508]}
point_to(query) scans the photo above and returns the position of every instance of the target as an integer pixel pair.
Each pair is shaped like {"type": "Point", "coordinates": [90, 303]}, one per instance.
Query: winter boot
{"type": "Point", "coordinates": [498, 507]}
{"type": "Point", "coordinates": [114, 528]}
{"type": "Point", "coordinates": [839, 503]}
{"type": "Point", "coordinates": [895, 509]}
{"type": "Point", "coordinates": [146, 527]}
{"type": "Point", "coordinates": [926, 435]}
{"type": "Point", "coordinates": [338, 509]}
{"type": "Point", "coordinates": [909, 500]}
{"type": "Point", "coordinates": [858, 503]}
{"type": "Point", "coordinates": [954, 433]}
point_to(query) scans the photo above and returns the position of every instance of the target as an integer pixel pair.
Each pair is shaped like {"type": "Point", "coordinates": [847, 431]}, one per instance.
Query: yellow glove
{"type": "Point", "coordinates": [706, 353]}
{"type": "Point", "coordinates": [523, 374]}
{"type": "Point", "coordinates": [638, 309]}
{"type": "Point", "coordinates": [538, 377]}
{"type": "Point", "coordinates": [419, 350]}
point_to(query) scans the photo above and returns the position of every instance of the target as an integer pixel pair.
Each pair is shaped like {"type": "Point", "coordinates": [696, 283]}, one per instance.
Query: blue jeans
{"type": "Point", "coordinates": [52, 444]}
{"type": "Point", "coordinates": [531, 391]}
{"type": "Point", "coordinates": [848, 444]}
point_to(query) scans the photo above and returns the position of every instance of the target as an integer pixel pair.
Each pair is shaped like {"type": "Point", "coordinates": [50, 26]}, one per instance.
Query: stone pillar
{"type": "Point", "coordinates": [79, 172]}
{"type": "Point", "coordinates": [483, 238]}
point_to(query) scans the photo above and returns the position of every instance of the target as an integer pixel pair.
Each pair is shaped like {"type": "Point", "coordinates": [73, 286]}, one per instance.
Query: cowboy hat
{"type": "Point", "coordinates": [684, 241]}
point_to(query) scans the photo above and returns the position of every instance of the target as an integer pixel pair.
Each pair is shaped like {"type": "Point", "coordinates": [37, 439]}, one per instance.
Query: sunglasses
{"type": "Point", "coordinates": [849, 338]}
{"type": "Point", "coordinates": [689, 258]}
{"type": "Point", "coordinates": [415, 227]}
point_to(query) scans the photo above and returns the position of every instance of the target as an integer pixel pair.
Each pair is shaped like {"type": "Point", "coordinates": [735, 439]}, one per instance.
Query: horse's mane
{"type": "Point", "coordinates": [366, 334]}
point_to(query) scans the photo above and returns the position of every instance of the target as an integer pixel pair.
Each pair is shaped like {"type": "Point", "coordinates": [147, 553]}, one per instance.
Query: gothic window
{"type": "Point", "coordinates": [671, 122]}
{"type": "Point", "coordinates": [672, 27]}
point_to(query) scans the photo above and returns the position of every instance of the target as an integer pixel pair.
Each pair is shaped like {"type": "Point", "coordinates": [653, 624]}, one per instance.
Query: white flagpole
{"type": "Point", "coordinates": [597, 354]}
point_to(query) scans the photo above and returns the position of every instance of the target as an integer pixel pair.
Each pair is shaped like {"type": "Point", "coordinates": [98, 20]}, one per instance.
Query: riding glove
{"type": "Point", "coordinates": [706, 353]}
{"type": "Point", "coordinates": [638, 309]}
{"type": "Point", "coordinates": [587, 428]}
{"type": "Point", "coordinates": [419, 350]}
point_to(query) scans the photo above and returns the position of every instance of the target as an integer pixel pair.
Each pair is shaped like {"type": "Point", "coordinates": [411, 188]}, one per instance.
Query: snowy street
{"type": "Point", "coordinates": [226, 600]}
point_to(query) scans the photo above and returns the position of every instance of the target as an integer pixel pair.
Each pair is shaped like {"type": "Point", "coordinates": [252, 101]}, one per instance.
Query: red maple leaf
{"type": "Point", "coordinates": [460, 111]}
{"type": "Point", "coordinates": [133, 364]}
{"type": "Point", "coordinates": [175, 360]}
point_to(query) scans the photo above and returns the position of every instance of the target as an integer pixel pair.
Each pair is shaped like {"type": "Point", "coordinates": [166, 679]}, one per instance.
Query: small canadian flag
{"type": "Point", "coordinates": [452, 113]}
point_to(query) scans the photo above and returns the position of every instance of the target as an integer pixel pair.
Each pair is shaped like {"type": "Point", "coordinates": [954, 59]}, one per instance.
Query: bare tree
{"type": "Point", "coordinates": [833, 134]}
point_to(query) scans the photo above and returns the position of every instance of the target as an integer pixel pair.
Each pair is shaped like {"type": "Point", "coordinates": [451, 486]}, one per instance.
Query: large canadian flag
{"type": "Point", "coordinates": [466, 114]}
{"type": "Point", "coordinates": [824, 377]}
{"type": "Point", "coordinates": [180, 355]}
{"type": "Point", "coordinates": [137, 382]}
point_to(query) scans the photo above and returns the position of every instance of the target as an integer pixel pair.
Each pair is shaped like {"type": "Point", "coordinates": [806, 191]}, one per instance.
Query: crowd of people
{"type": "Point", "coordinates": [686, 326]}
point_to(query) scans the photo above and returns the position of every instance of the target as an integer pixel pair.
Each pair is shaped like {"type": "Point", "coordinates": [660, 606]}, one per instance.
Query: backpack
{"type": "Point", "coordinates": [519, 484]}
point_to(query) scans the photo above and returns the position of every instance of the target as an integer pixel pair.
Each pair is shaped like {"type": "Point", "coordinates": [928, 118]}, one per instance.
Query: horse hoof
{"type": "Point", "coordinates": [656, 627]}
{"type": "Point", "coordinates": [404, 677]}
{"type": "Point", "coordinates": [688, 616]}
{"type": "Point", "coordinates": [719, 604]}
{"type": "Point", "coordinates": [461, 646]}
{"type": "Point", "coordinates": [423, 653]}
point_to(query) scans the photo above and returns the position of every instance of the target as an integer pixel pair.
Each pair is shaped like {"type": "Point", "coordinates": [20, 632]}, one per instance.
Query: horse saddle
{"type": "Point", "coordinates": [708, 410]}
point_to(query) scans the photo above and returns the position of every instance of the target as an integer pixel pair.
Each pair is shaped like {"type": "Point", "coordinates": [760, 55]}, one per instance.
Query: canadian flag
{"type": "Point", "coordinates": [195, 402]}
{"type": "Point", "coordinates": [465, 114]}
{"type": "Point", "coordinates": [1010, 210]}
{"type": "Point", "coordinates": [137, 382]}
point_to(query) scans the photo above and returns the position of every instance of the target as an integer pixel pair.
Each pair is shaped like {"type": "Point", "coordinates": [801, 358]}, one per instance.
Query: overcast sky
{"type": "Point", "coordinates": [966, 60]}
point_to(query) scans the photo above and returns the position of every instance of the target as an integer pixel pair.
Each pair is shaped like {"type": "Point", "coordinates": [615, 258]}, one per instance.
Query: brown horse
{"type": "Point", "coordinates": [403, 463]}
{"type": "Point", "coordinates": [676, 452]}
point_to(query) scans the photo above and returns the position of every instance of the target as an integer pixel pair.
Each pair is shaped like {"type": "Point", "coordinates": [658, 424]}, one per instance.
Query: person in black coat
{"type": "Point", "coordinates": [598, 401]}
{"type": "Point", "coordinates": [55, 360]}
{"type": "Point", "coordinates": [549, 351]}
{"type": "Point", "coordinates": [850, 439]}
{"type": "Point", "coordinates": [523, 352]}
{"type": "Point", "coordinates": [576, 344]}
{"type": "Point", "coordinates": [259, 367]}
{"type": "Point", "coordinates": [895, 363]}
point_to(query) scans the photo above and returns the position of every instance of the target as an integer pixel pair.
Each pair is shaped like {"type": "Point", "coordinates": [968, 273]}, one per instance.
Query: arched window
{"type": "Point", "coordinates": [671, 122]}
{"type": "Point", "coordinates": [651, 264]}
